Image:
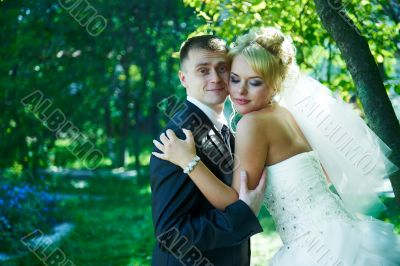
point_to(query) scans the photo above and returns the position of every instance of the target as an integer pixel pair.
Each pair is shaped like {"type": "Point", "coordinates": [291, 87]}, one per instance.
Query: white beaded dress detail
{"type": "Point", "coordinates": [313, 224]}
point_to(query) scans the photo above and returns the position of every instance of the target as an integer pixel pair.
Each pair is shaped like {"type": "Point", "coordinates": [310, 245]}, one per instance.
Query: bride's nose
{"type": "Point", "coordinates": [243, 89]}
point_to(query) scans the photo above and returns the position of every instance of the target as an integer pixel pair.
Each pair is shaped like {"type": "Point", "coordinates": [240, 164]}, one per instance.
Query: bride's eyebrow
{"type": "Point", "coordinates": [255, 77]}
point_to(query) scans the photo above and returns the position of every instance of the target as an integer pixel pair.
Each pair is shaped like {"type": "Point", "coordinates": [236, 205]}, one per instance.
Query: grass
{"type": "Point", "coordinates": [115, 227]}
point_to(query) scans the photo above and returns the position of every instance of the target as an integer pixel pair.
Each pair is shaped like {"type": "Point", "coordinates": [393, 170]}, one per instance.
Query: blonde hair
{"type": "Point", "coordinates": [269, 52]}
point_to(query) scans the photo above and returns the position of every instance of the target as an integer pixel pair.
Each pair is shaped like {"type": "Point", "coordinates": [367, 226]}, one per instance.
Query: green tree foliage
{"type": "Point", "coordinates": [317, 54]}
{"type": "Point", "coordinates": [107, 85]}
{"type": "Point", "coordinates": [350, 23]}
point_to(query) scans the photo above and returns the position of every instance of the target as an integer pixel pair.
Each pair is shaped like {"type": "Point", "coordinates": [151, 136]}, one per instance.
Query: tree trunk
{"type": "Point", "coordinates": [108, 127]}
{"type": "Point", "coordinates": [136, 143]}
{"type": "Point", "coordinates": [124, 126]}
{"type": "Point", "coordinates": [365, 73]}
{"type": "Point", "coordinates": [329, 68]}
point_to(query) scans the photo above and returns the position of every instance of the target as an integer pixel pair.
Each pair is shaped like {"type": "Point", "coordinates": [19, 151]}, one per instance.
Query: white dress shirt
{"type": "Point", "coordinates": [217, 119]}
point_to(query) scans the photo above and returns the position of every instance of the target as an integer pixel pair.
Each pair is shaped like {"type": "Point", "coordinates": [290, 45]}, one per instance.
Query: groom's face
{"type": "Point", "coordinates": [205, 75]}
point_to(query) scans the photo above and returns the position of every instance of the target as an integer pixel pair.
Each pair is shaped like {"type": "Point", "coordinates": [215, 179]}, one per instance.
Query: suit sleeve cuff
{"type": "Point", "coordinates": [246, 221]}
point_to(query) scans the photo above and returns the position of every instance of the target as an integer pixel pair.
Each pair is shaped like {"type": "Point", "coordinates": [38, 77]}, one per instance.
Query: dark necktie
{"type": "Point", "coordinates": [226, 135]}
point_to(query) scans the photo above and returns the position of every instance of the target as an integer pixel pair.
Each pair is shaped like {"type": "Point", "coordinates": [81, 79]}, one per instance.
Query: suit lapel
{"type": "Point", "coordinates": [210, 142]}
{"type": "Point", "coordinates": [232, 142]}
{"type": "Point", "coordinates": [213, 134]}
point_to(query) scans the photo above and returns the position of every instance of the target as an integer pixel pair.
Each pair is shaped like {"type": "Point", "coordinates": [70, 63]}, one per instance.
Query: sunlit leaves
{"type": "Point", "coordinates": [300, 20]}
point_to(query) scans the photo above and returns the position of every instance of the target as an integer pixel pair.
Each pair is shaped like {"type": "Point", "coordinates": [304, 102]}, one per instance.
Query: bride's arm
{"type": "Point", "coordinates": [251, 149]}
{"type": "Point", "coordinates": [181, 152]}
{"type": "Point", "coordinates": [217, 193]}
{"type": "Point", "coordinates": [249, 156]}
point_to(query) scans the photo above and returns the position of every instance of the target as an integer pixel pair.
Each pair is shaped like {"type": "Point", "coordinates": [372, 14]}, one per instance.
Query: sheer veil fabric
{"type": "Point", "coordinates": [355, 159]}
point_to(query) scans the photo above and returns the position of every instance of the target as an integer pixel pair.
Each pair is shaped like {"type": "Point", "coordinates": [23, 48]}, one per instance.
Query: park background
{"type": "Point", "coordinates": [81, 98]}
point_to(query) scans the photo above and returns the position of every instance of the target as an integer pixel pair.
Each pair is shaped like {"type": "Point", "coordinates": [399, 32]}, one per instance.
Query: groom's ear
{"type": "Point", "coordinates": [182, 78]}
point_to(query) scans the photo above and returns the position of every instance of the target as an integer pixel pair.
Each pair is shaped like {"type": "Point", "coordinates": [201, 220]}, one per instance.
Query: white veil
{"type": "Point", "coordinates": [354, 158]}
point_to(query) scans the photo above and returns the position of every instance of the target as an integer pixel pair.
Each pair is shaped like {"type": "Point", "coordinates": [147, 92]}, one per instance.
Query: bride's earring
{"type": "Point", "coordinates": [273, 98]}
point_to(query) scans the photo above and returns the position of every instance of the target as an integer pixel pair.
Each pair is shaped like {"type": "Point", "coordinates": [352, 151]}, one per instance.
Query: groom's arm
{"type": "Point", "coordinates": [177, 213]}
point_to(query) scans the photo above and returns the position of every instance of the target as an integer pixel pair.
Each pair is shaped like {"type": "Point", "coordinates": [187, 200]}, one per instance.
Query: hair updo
{"type": "Point", "coordinates": [269, 52]}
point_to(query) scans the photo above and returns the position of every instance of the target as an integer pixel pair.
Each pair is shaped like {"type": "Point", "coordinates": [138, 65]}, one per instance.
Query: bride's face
{"type": "Point", "coordinates": [248, 90]}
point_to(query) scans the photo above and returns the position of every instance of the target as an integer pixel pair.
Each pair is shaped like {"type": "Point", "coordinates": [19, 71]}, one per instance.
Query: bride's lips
{"type": "Point", "coordinates": [241, 101]}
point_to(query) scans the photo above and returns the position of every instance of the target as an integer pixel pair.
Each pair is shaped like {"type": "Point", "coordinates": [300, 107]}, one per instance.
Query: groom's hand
{"type": "Point", "coordinates": [253, 198]}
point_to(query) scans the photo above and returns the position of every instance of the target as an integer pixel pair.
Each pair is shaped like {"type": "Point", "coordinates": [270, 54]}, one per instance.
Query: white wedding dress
{"type": "Point", "coordinates": [314, 225]}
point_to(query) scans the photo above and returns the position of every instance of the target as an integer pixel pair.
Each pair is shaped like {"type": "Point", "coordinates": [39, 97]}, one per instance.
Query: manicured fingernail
{"type": "Point", "coordinates": [242, 173]}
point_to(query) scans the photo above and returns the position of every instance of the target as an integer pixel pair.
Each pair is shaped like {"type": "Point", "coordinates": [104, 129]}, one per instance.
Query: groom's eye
{"type": "Point", "coordinates": [222, 69]}
{"type": "Point", "coordinates": [203, 71]}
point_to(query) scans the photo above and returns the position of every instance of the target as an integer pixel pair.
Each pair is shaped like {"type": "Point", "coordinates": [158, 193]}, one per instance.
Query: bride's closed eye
{"type": "Point", "coordinates": [234, 79]}
{"type": "Point", "coordinates": [256, 83]}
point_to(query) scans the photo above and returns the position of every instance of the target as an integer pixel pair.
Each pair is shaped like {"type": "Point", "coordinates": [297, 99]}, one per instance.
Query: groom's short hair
{"type": "Point", "coordinates": [207, 42]}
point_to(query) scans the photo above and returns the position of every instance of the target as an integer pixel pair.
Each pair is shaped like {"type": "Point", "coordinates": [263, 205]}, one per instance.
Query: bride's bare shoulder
{"type": "Point", "coordinates": [270, 113]}
{"type": "Point", "coordinates": [278, 113]}
{"type": "Point", "coordinates": [266, 121]}
{"type": "Point", "coordinates": [251, 120]}
{"type": "Point", "coordinates": [258, 120]}
{"type": "Point", "coordinates": [251, 129]}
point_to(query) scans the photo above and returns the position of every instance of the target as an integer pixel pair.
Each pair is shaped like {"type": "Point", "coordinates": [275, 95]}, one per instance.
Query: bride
{"type": "Point", "coordinates": [304, 142]}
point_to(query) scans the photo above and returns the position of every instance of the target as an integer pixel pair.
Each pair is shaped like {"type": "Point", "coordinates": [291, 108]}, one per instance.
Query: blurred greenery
{"type": "Point", "coordinates": [111, 218]}
{"type": "Point", "coordinates": [106, 88]}
{"type": "Point", "coordinates": [317, 54]}
{"type": "Point", "coordinates": [113, 226]}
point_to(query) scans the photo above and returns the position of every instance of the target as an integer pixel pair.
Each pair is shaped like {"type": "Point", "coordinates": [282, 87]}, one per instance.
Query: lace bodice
{"type": "Point", "coordinates": [298, 197]}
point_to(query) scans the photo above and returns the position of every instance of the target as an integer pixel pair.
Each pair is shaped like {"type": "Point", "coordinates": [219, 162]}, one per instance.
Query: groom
{"type": "Point", "coordinates": [188, 229]}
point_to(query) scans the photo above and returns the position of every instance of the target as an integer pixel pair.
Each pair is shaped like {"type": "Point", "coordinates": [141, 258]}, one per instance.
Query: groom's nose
{"type": "Point", "coordinates": [215, 76]}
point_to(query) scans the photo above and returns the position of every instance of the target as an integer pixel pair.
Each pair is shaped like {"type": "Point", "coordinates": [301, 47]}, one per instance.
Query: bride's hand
{"type": "Point", "coordinates": [177, 151]}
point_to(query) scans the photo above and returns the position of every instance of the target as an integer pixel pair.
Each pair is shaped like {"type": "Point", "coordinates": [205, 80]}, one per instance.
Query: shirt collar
{"type": "Point", "coordinates": [217, 119]}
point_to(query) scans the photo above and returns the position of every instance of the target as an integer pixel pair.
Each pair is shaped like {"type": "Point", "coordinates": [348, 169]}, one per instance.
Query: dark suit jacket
{"type": "Point", "coordinates": [188, 229]}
